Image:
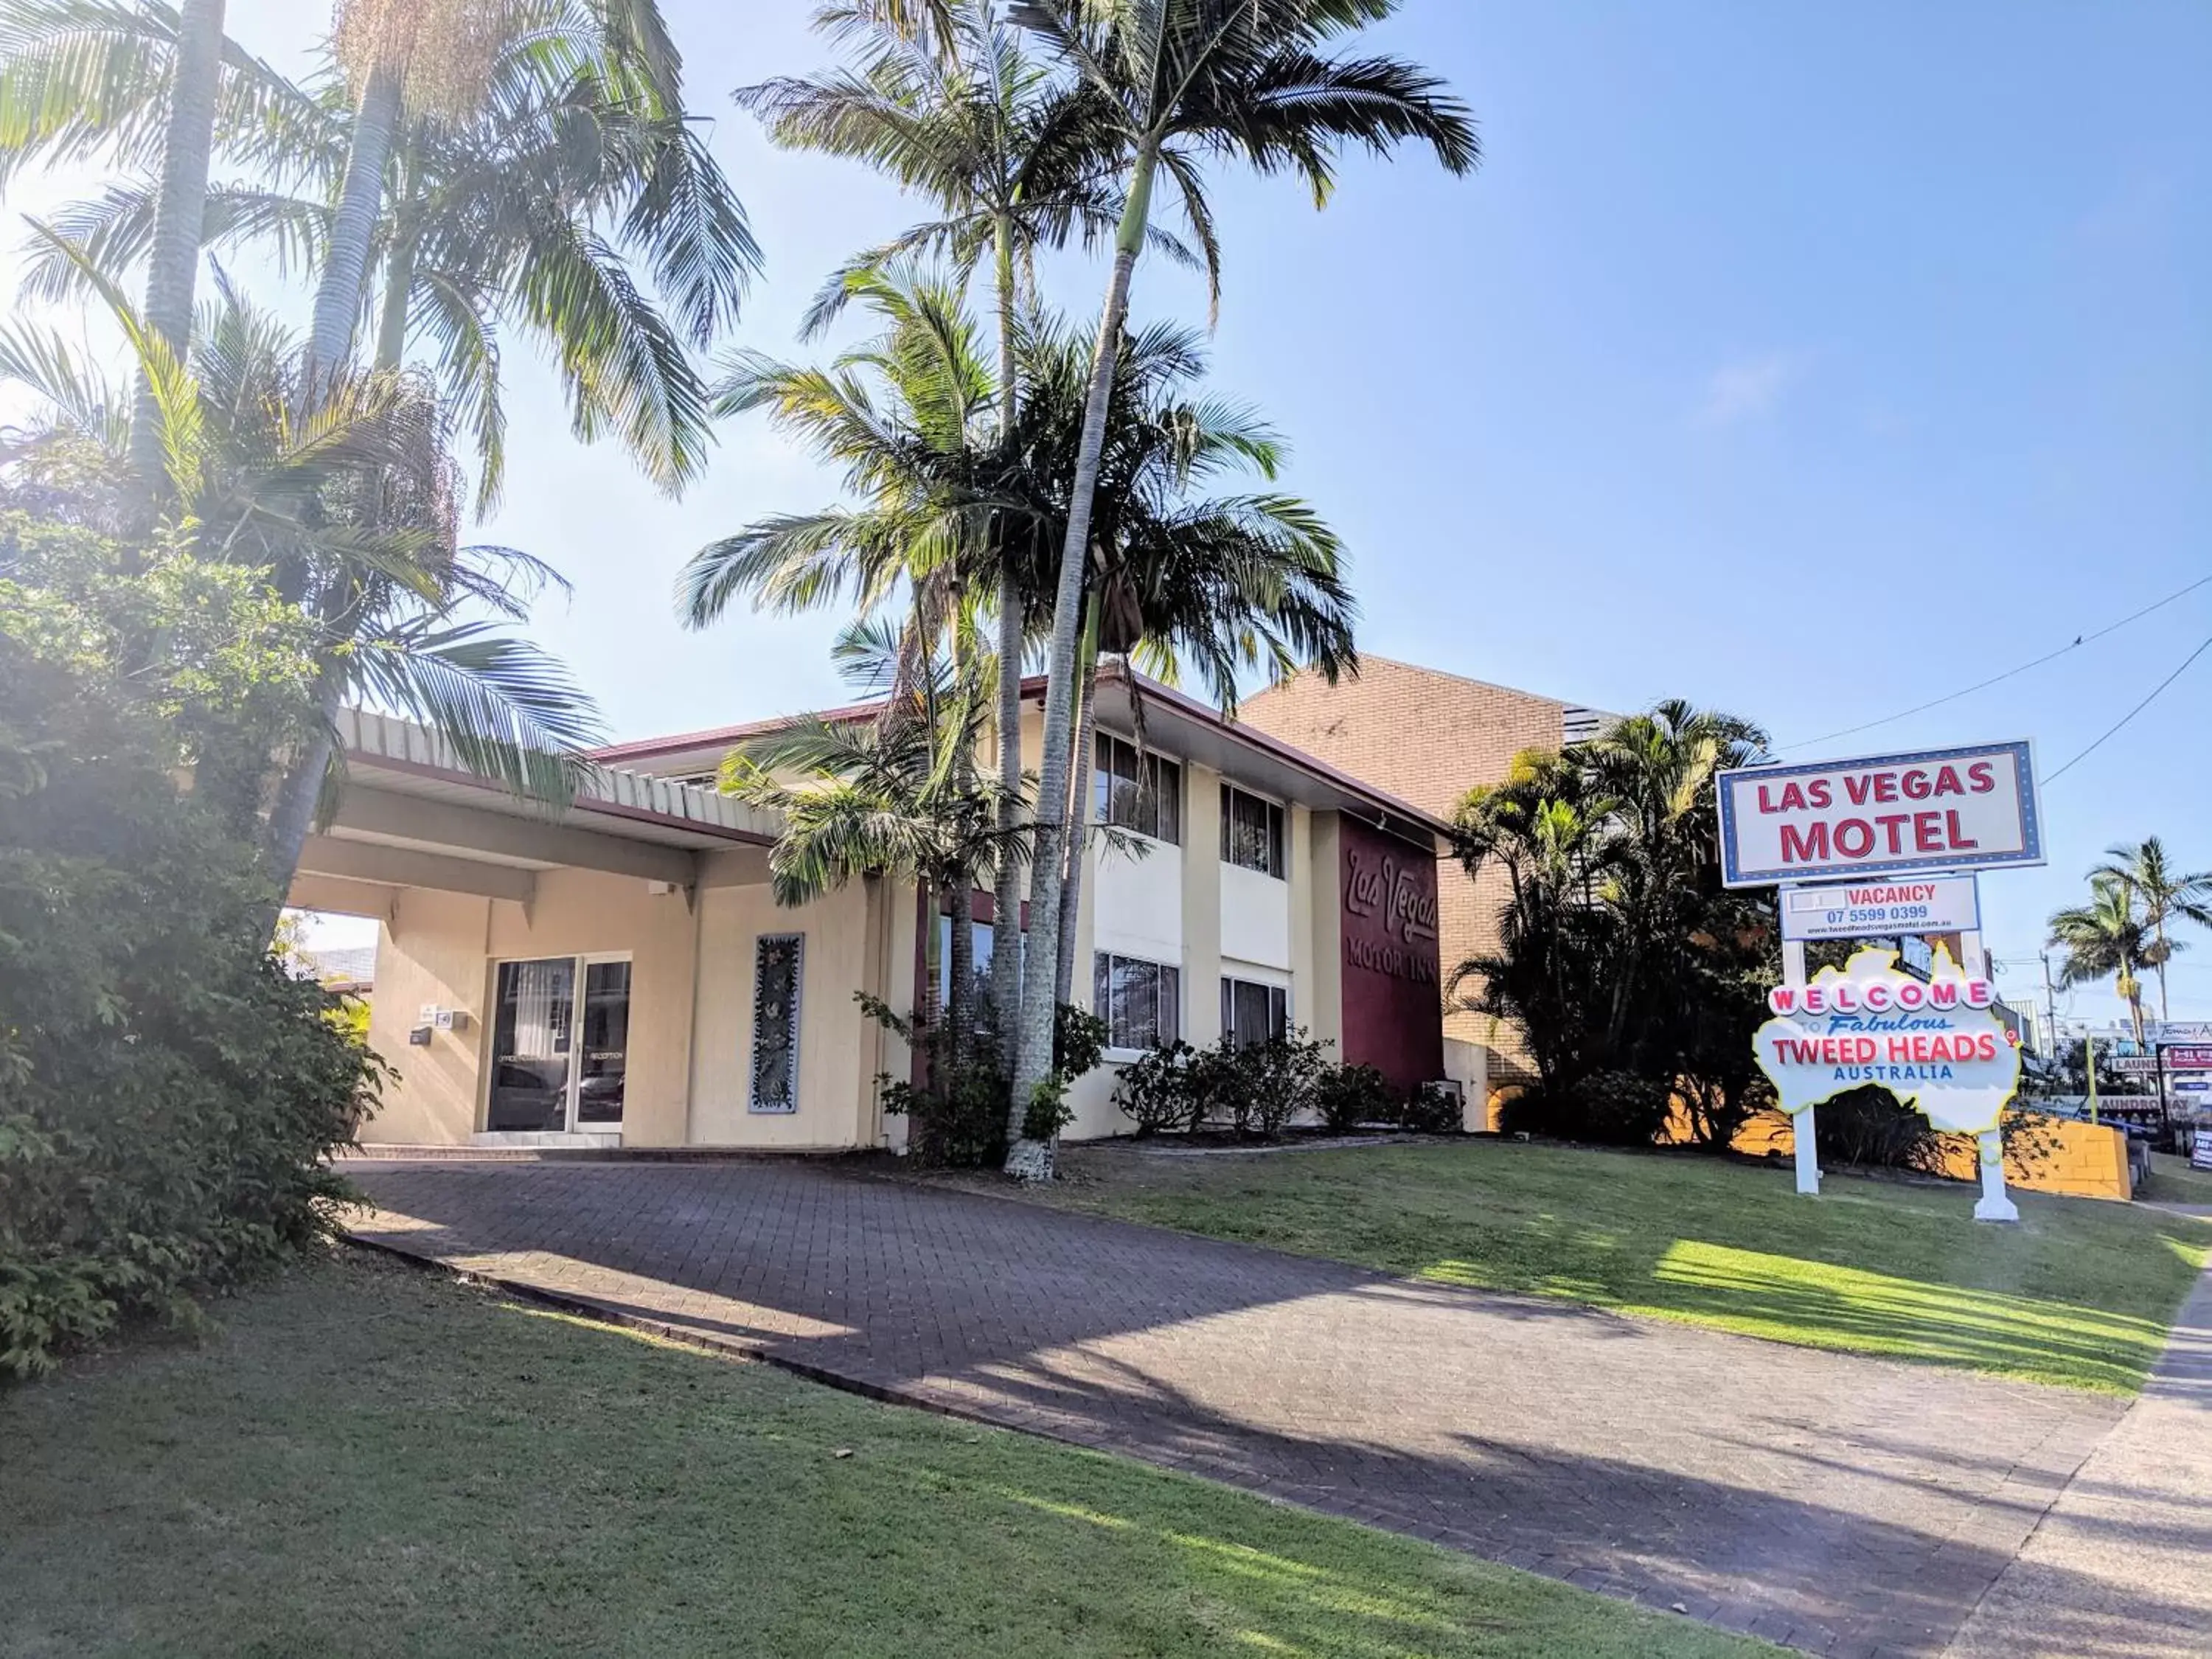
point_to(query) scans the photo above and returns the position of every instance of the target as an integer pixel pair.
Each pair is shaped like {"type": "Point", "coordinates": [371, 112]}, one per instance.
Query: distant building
{"type": "Point", "coordinates": [1429, 737]}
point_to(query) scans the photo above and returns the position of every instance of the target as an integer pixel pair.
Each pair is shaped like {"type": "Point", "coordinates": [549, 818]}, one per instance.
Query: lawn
{"type": "Point", "coordinates": [2080, 1293]}
{"type": "Point", "coordinates": [2173, 1181]}
{"type": "Point", "coordinates": [370, 1460]}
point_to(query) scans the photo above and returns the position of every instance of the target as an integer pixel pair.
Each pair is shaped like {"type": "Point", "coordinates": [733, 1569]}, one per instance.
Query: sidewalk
{"type": "Point", "coordinates": [2122, 1562]}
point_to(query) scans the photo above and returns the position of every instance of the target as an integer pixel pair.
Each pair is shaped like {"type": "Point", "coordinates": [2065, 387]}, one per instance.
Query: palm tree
{"type": "Point", "coordinates": [2105, 937]}
{"type": "Point", "coordinates": [886, 796]}
{"type": "Point", "coordinates": [944, 100]}
{"type": "Point", "coordinates": [2167, 895]}
{"type": "Point", "coordinates": [538, 197]}
{"type": "Point", "coordinates": [173, 268]}
{"type": "Point", "coordinates": [1189, 78]}
{"type": "Point", "coordinates": [1180, 584]}
{"type": "Point", "coordinates": [351, 507]}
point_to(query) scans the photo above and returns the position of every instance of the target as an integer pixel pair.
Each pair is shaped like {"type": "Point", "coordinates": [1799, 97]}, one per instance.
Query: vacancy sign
{"type": "Point", "coordinates": [1945, 809]}
{"type": "Point", "coordinates": [1889, 906]}
{"type": "Point", "coordinates": [1938, 1048]}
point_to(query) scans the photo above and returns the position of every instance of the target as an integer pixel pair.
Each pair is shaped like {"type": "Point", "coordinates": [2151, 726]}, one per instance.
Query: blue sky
{"type": "Point", "coordinates": [1808, 362]}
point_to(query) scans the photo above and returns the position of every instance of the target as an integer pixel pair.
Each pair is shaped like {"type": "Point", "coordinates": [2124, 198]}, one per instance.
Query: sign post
{"type": "Point", "coordinates": [1804, 1128]}
{"type": "Point", "coordinates": [1886, 846]}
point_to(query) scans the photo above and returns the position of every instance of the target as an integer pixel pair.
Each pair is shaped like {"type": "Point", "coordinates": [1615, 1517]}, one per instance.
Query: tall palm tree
{"type": "Point", "coordinates": [351, 505]}
{"type": "Point", "coordinates": [172, 270]}
{"type": "Point", "coordinates": [2105, 937]}
{"type": "Point", "coordinates": [1187, 79]}
{"type": "Point", "coordinates": [2167, 895]}
{"type": "Point", "coordinates": [944, 99]}
{"type": "Point", "coordinates": [542, 200]}
{"type": "Point", "coordinates": [1181, 583]}
{"type": "Point", "coordinates": [888, 796]}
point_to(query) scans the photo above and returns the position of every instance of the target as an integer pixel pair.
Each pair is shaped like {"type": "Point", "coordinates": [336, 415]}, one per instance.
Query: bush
{"type": "Point", "coordinates": [957, 1115]}
{"type": "Point", "coordinates": [1154, 1092]}
{"type": "Point", "coordinates": [1431, 1110]}
{"type": "Point", "coordinates": [1349, 1095]}
{"type": "Point", "coordinates": [1607, 1109]}
{"type": "Point", "coordinates": [169, 1096]}
{"type": "Point", "coordinates": [1867, 1128]}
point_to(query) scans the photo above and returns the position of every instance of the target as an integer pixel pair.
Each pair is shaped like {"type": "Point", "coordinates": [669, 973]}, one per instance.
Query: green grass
{"type": "Point", "coordinates": [368, 1459]}
{"type": "Point", "coordinates": [2080, 1293]}
{"type": "Point", "coordinates": [2173, 1181]}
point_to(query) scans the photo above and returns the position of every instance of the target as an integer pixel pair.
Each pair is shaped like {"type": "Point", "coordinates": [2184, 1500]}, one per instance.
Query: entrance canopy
{"type": "Point", "coordinates": [413, 815]}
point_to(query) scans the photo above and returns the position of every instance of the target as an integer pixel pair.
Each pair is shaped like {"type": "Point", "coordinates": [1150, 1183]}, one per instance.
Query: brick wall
{"type": "Point", "coordinates": [1427, 738]}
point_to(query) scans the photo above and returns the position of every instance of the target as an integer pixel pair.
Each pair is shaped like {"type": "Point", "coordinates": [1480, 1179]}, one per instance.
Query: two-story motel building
{"type": "Point", "coordinates": [620, 974]}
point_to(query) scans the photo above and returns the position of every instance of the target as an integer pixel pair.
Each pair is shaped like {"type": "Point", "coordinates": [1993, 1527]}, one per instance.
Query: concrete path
{"type": "Point", "coordinates": [2123, 1563]}
{"type": "Point", "coordinates": [1843, 1505]}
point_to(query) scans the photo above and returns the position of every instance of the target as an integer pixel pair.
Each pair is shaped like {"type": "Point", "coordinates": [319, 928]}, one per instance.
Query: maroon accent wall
{"type": "Point", "coordinates": [1393, 984]}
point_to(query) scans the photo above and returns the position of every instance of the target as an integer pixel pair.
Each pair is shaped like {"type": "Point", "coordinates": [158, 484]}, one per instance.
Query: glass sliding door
{"type": "Point", "coordinates": [542, 1079]}
{"type": "Point", "coordinates": [606, 1058]}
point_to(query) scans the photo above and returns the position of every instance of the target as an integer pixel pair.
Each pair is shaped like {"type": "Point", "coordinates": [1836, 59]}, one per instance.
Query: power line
{"type": "Point", "coordinates": [2052, 777]}
{"type": "Point", "coordinates": [1998, 679]}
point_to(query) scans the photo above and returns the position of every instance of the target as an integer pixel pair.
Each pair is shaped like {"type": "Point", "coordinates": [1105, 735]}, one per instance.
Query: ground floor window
{"type": "Point", "coordinates": [1253, 1013]}
{"type": "Point", "coordinates": [1140, 1001]}
{"type": "Point", "coordinates": [778, 960]}
{"type": "Point", "coordinates": [560, 1048]}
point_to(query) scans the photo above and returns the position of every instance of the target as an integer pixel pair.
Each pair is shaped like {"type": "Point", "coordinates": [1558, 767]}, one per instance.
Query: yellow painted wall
{"type": "Point", "coordinates": [2084, 1160]}
{"type": "Point", "coordinates": [838, 1054]}
{"type": "Point", "coordinates": [690, 1031]}
{"type": "Point", "coordinates": [432, 949]}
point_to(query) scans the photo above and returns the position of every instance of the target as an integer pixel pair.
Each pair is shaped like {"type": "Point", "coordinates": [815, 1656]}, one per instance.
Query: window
{"type": "Point", "coordinates": [1251, 832]}
{"type": "Point", "coordinates": [982, 935]}
{"type": "Point", "coordinates": [778, 962]}
{"type": "Point", "coordinates": [1140, 793]}
{"type": "Point", "coordinates": [1141, 1002]}
{"type": "Point", "coordinates": [1253, 1013]}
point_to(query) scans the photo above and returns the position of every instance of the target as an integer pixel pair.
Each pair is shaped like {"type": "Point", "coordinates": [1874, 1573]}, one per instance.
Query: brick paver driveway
{"type": "Point", "coordinates": [1839, 1504]}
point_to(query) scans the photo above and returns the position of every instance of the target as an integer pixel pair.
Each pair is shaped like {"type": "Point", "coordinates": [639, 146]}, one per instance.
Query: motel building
{"type": "Point", "coordinates": [619, 973]}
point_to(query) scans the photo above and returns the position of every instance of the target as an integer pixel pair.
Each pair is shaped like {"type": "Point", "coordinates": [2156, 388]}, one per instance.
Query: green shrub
{"type": "Point", "coordinates": [1607, 1109]}
{"type": "Point", "coordinates": [169, 1096]}
{"type": "Point", "coordinates": [1257, 1089]}
{"type": "Point", "coordinates": [1154, 1091]}
{"type": "Point", "coordinates": [1348, 1095]}
{"type": "Point", "coordinates": [957, 1115]}
{"type": "Point", "coordinates": [1432, 1109]}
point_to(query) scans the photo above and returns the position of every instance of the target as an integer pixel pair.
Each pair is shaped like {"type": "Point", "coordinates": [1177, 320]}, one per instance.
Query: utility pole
{"type": "Point", "coordinates": [2049, 1000]}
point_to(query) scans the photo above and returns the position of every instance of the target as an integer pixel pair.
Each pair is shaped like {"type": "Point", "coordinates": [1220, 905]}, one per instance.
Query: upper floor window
{"type": "Point", "coordinates": [1143, 793]}
{"type": "Point", "coordinates": [1251, 832]}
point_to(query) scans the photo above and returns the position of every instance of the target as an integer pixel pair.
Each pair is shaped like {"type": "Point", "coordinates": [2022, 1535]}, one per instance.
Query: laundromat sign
{"type": "Point", "coordinates": [1942, 809]}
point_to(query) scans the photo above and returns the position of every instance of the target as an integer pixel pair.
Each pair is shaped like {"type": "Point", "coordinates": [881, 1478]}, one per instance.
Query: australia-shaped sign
{"type": "Point", "coordinates": [1937, 1045]}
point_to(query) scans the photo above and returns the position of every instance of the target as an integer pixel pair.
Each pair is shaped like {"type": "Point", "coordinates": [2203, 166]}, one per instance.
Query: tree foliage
{"type": "Point", "coordinates": [167, 1094]}
{"type": "Point", "coordinates": [1632, 975]}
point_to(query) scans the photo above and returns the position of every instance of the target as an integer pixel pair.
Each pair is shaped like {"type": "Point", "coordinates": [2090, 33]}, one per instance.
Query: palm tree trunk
{"type": "Point", "coordinates": [338, 300]}
{"type": "Point", "coordinates": [293, 815]}
{"type": "Point", "coordinates": [1029, 1159]}
{"type": "Point", "coordinates": [960, 1005]}
{"type": "Point", "coordinates": [398, 284]}
{"type": "Point", "coordinates": [1006, 898]}
{"type": "Point", "coordinates": [180, 211]}
{"type": "Point", "coordinates": [1078, 820]}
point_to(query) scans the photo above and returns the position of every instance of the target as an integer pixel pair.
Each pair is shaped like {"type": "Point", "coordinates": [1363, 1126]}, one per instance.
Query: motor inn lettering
{"type": "Point", "coordinates": [1961, 809]}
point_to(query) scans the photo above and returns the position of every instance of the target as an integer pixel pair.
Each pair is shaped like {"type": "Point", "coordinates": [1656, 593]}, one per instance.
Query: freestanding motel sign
{"type": "Point", "coordinates": [1886, 848]}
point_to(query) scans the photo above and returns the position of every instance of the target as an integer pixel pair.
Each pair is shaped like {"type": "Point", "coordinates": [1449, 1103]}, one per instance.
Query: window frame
{"type": "Point", "coordinates": [1154, 780]}
{"type": "Point", "coordinates": [1278, 996]}
{"type": "Point", "coordinates": [1103, 964]}
{"type": "Point", "coordinates": [1278, 831]}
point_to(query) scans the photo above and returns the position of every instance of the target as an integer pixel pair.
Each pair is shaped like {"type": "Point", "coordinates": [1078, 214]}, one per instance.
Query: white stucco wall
{"type": "Point", "coordinates": [1255, 916]}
